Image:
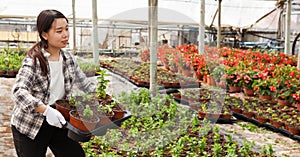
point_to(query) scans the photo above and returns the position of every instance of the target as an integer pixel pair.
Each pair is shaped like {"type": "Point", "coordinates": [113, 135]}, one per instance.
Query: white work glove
{"type": "Point", "coordinates": [54, 117]}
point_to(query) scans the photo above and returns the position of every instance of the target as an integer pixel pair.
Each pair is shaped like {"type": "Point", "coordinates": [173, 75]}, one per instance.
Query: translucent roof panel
{"type": "Point", "coordinates": [237, 13]}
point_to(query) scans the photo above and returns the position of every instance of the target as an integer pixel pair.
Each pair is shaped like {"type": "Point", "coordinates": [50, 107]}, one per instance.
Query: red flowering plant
{"type": "Point", "coordinates": [225, 52]}
{"type": "Point", "coordinates": [286, 82]}
{"type": "Point", "coordinates": [145, 55]}
{"type": "Point", "coordinates": [296, 94]}
{"type": "Point", "coordinates": [186, 61]}
{"type": "Point", "coordinates": [186, 57]}
{"type": "Point", "coordinates": [265, 84]}
{"type": "Point", "coordinates": [282, 58]}
{"type": "Point", "coordinates": [291, 60]}
{"type": "Point", "coordinates": [199, 65]}
{"type": "Point", "coordinates": [164, 52]}
{"type": "Point", "coordinates": [230, 62]}
{"type": "Point", "coordinates": [296, 98]}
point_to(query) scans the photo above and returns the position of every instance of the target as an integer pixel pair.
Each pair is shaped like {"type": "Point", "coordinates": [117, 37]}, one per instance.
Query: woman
{"type": "Point", "coordinates": [47, 74]}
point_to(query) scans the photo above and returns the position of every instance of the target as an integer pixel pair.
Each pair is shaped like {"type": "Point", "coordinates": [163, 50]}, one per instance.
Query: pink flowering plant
{"type": "Point", "coordinates": [249, 75]}
{"type": "Point", "coordinates": [233, 77]}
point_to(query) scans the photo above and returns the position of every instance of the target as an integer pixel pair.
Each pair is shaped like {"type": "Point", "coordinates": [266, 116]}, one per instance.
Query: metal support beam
{"type": "Point", "coordinates": [95, 32]}
{"type": "Point", "coordinates": [219, 24]}
{"type": "Point", "coordinates": [74, 26]}
{"type": "Point", "coordinates": [287, 45]}
{"type": "Point", "coordinates": [152, 17]}
{"type": "Point", "coordinates": [201, 27]}
{"type": "Point", "coordinates": [180, 36]}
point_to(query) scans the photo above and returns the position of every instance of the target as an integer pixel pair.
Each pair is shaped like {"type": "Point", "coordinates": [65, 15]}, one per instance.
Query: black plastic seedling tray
{"type": "Point", "coordinates": [267, 126]}
{"type": "Point", "coordinates": [82, 136]}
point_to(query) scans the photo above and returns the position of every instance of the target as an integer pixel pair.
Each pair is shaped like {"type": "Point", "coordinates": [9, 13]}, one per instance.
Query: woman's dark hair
{"type": "Point", "coordinates": [43, 24]}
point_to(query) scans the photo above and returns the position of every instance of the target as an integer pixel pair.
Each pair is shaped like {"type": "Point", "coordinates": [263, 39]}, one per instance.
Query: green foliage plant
{"type": "Point", "coordinates": [72, 100]}
{"type": "Point", "coordinates": [87, 112]}
{"type": "Point", "coordinates": [101, 84]}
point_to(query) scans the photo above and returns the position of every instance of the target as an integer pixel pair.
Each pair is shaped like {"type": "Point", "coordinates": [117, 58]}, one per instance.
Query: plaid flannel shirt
{"type": "Point", "coordinates": [32, 89]}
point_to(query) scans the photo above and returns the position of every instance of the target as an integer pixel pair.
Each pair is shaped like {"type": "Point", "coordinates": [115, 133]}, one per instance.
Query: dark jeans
{"type": "Point", "coordinates": [48, 136]}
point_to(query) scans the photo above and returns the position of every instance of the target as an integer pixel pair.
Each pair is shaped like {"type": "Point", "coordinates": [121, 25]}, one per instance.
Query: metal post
{"type": "Point", "coordinates": [201, 27]}
{"type": "Point", "coordinates": [180, 36]}
{"type": "Point", "coordinates": [95, 32]}
{"type": "Point", "coordinates": [287, 45]}
{"type": "Point", "coordinates": [219, 24]}
{"type": "Point", "coordinates": [152, 17]}
{"type": "Point", "coordinates": [74, 27]}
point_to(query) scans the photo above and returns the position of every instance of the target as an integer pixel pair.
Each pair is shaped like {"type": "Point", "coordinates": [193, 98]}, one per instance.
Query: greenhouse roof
{"type": "Point", "coordinates": [236, 13]}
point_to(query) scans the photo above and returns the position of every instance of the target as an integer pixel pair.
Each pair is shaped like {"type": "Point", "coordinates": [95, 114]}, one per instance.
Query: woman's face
{"type": "Point", "coordinates": [58, 35]}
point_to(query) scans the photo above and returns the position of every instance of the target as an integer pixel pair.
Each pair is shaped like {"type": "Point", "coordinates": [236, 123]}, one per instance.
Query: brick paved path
{"type": "Point", "coordinates": [6, 142]}
{"type": "Point", "coordinates": [6, 106]}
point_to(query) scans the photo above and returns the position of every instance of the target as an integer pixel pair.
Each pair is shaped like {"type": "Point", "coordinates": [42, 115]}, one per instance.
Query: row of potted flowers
{"type": "Point", "coordinates": [215, 103]}
{"type": "Point", "coordinates": [264, 73]}
{"type": "Point", "coordinates": [139, 73]}
{"type": "Point", "coordinates": [278, 81]}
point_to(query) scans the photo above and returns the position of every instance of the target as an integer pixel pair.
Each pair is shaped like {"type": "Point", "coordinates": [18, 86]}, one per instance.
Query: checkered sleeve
{"type": "Point", "coordinates": [25, 86]}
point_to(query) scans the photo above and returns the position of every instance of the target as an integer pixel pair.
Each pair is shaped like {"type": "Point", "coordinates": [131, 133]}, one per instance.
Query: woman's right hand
{"type": "Point", "coordinates": [54, 117]}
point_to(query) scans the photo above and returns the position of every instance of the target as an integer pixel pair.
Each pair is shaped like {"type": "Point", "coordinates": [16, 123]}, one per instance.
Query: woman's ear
{"type": "Point", "coordinates": [45, 35]}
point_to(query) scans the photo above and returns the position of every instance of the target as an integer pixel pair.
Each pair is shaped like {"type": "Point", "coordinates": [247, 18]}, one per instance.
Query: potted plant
{"type": "Point", "coordinates": [105, 112]}
{"type": "Point", "coordinates": [233, 79]}
{"type": "Point", "coordinates": [64, 106]}
{"type": "Point", "coordinates": [261, 116]}
{"type": "Point", "coordinates": [89, 99]}
{"type": "Point", "coordinates": [163, 54]}
{"type": "Point", "coordinates": [101, 86]}
{"type": "Point", "coordinates": [247, 80]}
{"type": "Point", "coordinates": [276, 121]}
{"type": "Point", "coordinates": [234, 104]}
{"type": "Point", "coordinates": [145, 55]}
{"type": "Point", "coordinates": [286, 83]}
{"type": "Point", "coordinates": [265, 87]}
{"type": "Point", "coordinates": [3, 69]}
{"type": "Point", "coordinates": [202, 110]}
{"type": "Point", "coordinates": [226, 114]}
{"type": "Point", "coordinates": [284, 95]}
{"type": "Point", "coordinates": [118, 109]}
{"type": "Point", "coordinates": [3, 64]}
{"type": "Point", "coordinates": [85, 121]}
{"type": "Point", "coordinates": [218, 75]}
{"type": "Point", "coordinates": [293, 126]}
{"type": "Point", "coordinates": [296, 99]}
